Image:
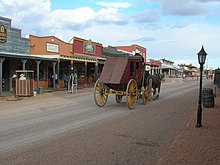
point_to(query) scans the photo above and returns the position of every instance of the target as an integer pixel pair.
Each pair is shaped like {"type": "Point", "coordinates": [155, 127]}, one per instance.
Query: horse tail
{"type": "Point", "coordinates": [148, 78]}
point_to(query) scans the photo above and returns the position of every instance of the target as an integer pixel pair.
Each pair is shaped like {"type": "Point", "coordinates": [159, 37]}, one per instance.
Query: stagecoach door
{"type": "Point", "coordinates": [134, 69]}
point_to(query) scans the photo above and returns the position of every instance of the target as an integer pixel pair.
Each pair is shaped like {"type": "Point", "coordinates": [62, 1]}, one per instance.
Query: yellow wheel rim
{"type": "Point", "coordinates": [100, 95]}
{"type": "Point", "coordinates": [132, 93]}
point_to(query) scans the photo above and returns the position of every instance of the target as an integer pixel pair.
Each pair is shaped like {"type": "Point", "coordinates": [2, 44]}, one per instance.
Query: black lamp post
{"type": "Point", "coordinates": [201, 58]}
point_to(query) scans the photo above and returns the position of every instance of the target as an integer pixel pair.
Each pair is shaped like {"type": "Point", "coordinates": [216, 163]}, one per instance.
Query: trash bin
{"type": "Point", "coordinates": [40, 90]}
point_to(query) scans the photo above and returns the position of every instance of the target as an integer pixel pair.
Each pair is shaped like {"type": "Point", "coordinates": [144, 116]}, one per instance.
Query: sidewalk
{"type": "Point", "coordinates": [9, 96]}
{"type": "Point", "coordinates": [197, 146]}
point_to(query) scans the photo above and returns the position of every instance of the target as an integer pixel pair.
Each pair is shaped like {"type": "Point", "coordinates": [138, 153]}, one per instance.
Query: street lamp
{"type": "Point", "coordinates": [201, 58]}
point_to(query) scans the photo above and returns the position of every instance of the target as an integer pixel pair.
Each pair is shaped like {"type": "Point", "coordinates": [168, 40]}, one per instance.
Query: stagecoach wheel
{"type": "Point", "coordinates": [132, 93]}
{"type": "Point", "coordinates": [118, 98]}
{"type": "Point", "coordinates": [99, 93]}
{"type": "Point", "coordinates": [145, 96]}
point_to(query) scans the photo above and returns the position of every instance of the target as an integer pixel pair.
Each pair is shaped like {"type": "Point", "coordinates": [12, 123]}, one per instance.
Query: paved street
{"type": "Point", "coordinates": [61, 128]}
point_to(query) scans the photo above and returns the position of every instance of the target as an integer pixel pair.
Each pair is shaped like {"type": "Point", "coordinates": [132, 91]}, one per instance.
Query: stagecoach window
{"type": "Point", "coordinates": [132, 68]}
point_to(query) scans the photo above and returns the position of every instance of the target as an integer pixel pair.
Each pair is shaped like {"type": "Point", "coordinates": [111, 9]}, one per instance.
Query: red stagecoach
{"type": "Point", "coordinates": [122, 76]}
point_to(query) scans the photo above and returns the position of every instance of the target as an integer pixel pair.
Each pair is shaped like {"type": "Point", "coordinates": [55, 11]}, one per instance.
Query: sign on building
{"type": "Point", "coordinates": [3, 34]}
{"type": "Point", "coordinates": [89, 47]}
{"type": "Point", "coordinates": [52, 48]}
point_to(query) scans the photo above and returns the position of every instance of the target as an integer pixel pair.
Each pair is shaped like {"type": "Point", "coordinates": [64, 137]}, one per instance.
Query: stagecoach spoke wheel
{"type": "Point", "coordinates": [118, 98]}
{"type": "Point", "coordinates": [132, 93]}
{"type": "Point", "coordinates": [100, 95]}
{"type": "Point", "coordinates": [145, 96]}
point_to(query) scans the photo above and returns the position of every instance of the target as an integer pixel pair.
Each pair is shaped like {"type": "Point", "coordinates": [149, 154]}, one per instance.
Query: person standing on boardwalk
{"type": "Point", "coordinates": [14, 82]}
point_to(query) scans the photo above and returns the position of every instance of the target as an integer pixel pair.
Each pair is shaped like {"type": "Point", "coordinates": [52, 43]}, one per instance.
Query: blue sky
{"type": "Point", "coordinates": [170, 29]}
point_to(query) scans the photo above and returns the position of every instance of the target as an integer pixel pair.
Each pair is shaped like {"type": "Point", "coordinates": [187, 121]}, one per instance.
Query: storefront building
{"type": "Point", "coordinates": [168, 69]}
{"type": "Point", "coordinates": [15, 55]}
{"type": "Point", "coordinates": [87, 60]}
{"type": "Point", "coordinates": [154, 66]}
{"type": "Point", "coordinates": [53, 48]}
{"type": "Point", "coordinates": [79, 56]}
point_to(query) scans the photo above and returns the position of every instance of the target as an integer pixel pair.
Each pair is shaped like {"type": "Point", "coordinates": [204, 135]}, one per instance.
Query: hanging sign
{"type": "Point", "coordinates": [89, 47]}
{"type": "Point", "coordinates": [3, 34]}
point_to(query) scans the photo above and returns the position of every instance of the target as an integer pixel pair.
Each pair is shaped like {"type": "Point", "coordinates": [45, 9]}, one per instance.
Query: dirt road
{"type": "Point", "coordinates": [62, 128]}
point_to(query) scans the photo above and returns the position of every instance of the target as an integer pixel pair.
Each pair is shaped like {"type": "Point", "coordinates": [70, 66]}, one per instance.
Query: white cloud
{"type": "Point", "coordinates": [109, 15]}
{"type": "Point", "coordinates": [182, 24]}
{"type": "Point", "coordinates": [208, 1]}
{"type": "Point", "coordinates": [183, 44]}
{"type": "Point", "coordinates": [182, 8]}
{"type": "Point", "coordinates": [147, 16]}
{"type": "Point", "coordinates": [30, 15]}
{"type": "Point", "coordinates": [76, 16]}
{"type": "Point", "coordinates": [114, 4]}
{"type": "Point", "coordinates": [36, 17]}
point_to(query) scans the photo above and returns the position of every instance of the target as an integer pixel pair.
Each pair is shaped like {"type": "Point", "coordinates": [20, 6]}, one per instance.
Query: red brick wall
{"type": "Point", "coordinates": [98, 51]}
{"type": "Point", "coordinates": [78, 47]}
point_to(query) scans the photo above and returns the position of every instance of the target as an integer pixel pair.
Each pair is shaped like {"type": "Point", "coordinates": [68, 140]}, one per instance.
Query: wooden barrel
{"type": "Point", "coordinates": [208, 98]}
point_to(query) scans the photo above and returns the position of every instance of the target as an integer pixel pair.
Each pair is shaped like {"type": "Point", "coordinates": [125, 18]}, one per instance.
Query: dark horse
{"type": "Point", "coordinates": [156, 83]}
{"type": "Point", "coordinates": [155, 79]}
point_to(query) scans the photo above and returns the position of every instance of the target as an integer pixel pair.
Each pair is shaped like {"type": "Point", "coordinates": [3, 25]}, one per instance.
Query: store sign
{"type": "Point", "coordinates": [52, 48]}
{"type": "Point", "coordinates": [88, 47]}
{"type": "Point", "coordinates": [3, 34]}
